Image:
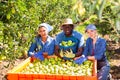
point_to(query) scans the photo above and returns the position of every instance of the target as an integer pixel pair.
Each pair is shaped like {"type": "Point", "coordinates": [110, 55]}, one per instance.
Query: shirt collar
{"type": "Point", "coordinates": [98, 39]}
{"type": "Point", "coordinates": [48, 39]}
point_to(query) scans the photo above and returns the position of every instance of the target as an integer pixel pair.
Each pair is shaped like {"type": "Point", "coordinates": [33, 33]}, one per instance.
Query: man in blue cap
{"type": "Point", "coordinates": [95, 50]}
{"type": "Point", "coordinates": [43, 44]}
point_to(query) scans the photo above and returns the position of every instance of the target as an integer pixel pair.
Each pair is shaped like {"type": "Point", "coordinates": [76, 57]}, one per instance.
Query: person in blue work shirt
{"type": "Point", "coordinates": [67, 34]}
{"type": "Point", "coordinates": [43, 44]}
{"type": "Point", "coordinates": [95, 50]}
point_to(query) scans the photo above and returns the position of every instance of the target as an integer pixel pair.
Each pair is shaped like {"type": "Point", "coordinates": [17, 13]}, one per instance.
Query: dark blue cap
{"type": "Point", "coordinates": [91, 27]}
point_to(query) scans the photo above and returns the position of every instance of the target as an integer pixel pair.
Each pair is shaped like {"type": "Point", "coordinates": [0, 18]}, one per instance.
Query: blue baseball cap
{"type": "Point", "coordinates": [47, 26]}
{"type": "Point", "coordinates": [90, 27]}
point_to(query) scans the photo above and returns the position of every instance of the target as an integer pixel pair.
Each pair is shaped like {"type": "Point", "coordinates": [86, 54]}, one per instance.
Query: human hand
{"type": "Point", "coordinates": [32, 58]}
{"type": "Point", "coordinates": [91, 57]}
{"type": "Point", "coordinates": [45, 54]}
{"type": "Point", "coordinates": [76, 58]}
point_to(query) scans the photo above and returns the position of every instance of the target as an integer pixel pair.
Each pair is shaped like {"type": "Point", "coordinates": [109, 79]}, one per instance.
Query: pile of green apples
{"type": "Point", "coordinates": [59, 66]}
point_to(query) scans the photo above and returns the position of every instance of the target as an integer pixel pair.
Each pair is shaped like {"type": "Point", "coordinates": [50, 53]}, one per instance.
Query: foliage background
{"type": "Point", "coordinates": [19, 20]}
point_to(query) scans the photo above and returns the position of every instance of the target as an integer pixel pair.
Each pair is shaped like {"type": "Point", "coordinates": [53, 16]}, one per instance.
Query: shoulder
{"type": "Point", "coordinates": [88, 39]}
{"type": "Point", "coordinates": [100, 39]}
{"type": "Point", "coordinates": [50, 38]}
{"type": "Point", "coordinates": [60, 34]}
{"type": "Point", "coordinates": [77, 34]}
{"type": "Point", "coordinates": [37, 38]}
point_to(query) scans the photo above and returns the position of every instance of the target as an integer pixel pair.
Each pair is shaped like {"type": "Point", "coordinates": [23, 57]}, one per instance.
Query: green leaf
{"type": "Point", "coordinates": [8, 16]}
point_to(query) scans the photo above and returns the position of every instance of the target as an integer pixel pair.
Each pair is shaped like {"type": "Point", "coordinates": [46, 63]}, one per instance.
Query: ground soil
{"type": "Point", "coordinates": [114, 52]}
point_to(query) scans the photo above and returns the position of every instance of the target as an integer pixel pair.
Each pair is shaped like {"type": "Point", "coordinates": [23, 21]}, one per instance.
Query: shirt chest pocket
{"type": "Point", "coordinates": [98, 46]}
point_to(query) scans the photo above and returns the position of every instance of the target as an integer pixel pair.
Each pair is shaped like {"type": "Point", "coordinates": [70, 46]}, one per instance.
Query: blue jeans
{"type": "Point", "coordinates": [103, 73]}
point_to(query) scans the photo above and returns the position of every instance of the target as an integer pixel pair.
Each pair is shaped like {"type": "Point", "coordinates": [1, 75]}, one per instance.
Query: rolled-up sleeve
{"type": "Point", "coordinates": [81, 43]}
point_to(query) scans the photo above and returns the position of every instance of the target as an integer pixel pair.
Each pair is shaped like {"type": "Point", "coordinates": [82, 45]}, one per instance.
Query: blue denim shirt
{"type": "Point", "coordinates": [37, 45]}
{"type": "Point", "coordinates": [99, 49]}
{"type": "Point", "coordinates": [76, 35]}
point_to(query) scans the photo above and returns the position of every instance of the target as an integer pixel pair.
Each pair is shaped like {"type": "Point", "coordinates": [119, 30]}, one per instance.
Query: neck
{"type": "Point", "coordinates": [44, 39]}
{"type": "Point", "coordinates": [94, 39]}
{"type": "Point", "coordinates": [68, 35]}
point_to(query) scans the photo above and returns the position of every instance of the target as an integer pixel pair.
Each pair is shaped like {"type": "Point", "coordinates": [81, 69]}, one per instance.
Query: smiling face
{"type": "Point", "coordinates": [91, 33]}
{"type": "Point", "coordinates": [68, 28]}
{"type": "Point", "coordinates": [42, 31]}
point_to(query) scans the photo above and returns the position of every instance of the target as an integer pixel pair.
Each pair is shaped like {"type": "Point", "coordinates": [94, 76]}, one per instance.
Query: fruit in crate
{"type": "Point", "coordinates": [58, 66]}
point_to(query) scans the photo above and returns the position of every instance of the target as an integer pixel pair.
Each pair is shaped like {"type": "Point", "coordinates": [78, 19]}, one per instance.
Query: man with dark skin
{"type": "Point", "coordinates": [69, 33]}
